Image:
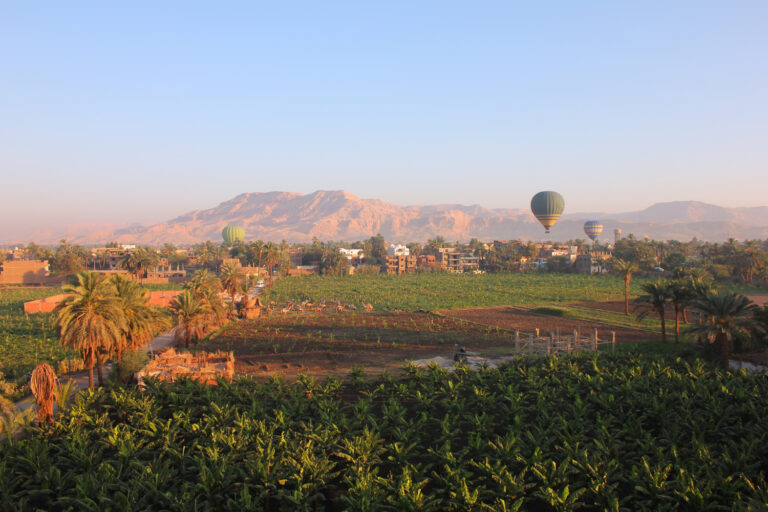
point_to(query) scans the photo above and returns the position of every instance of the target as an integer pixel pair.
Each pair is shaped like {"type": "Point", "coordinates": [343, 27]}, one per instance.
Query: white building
{"type": "Point", "coordinates": [398, 250]}
{"type": "Point", "coordinates": [352, 254]}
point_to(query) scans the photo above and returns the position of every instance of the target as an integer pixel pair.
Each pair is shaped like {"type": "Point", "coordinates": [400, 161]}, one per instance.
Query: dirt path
{"type": "Point", "coordinates": [81, 378]}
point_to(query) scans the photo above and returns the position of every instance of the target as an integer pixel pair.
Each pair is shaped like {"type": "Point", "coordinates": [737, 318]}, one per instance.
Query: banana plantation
{"type": "Point", "coordinates": [591, 431]}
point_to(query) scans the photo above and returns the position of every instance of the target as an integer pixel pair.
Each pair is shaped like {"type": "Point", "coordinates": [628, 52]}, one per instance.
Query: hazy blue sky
{"type": "Point", "coordinates": [142, 111]}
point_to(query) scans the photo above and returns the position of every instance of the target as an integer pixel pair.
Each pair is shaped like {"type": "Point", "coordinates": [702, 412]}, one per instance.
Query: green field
{"type": "Point", "coordinates": [432, 291]}
{"type": "Point", "coordinates": [27, 340]}
{"type": "Point", "coordinates": [585, 432]}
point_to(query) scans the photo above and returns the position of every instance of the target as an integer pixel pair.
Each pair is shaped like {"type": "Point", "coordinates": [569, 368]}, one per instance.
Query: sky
{"type": "Point", "coordinates": [141, 111]}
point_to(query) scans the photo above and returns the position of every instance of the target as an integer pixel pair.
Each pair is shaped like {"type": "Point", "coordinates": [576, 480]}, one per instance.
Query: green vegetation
{"type": "Point", "coordinates": [587, 432]}
{"type": "Point", "coordinates": [27, 340]}
{"type": "Point", "coordinates": [431, 291]}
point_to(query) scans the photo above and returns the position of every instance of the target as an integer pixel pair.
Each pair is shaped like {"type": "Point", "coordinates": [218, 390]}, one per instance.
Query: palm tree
{"type": "Point", "coordinates": [728, 315]}
{"type": "Point", "coordinates": [192, 317]}
{"type": "Point", "coordinates": [680, 295]}
{"type": "Point", "coordinates": [231, 277]}
{"type": "Point", "coordinates": [142, 321]}
{"type": "Point", "coordinates": [43, 385]}
{"type": "Point", "coordinates": [625, 269]}
{"type": "Point", "coordinates": [201, 282]}
{"type": "Point", "coordinates": [655, 300]}
{"type": "Point", "coordinates": [139, 261]}
{"type": "Point", "coordinates": [272, 257]}
{"type": "Point", "coordinates": [90, 320]}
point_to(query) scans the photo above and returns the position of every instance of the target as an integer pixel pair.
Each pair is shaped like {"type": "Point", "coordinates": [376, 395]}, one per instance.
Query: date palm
{"type": "Point", "coordinates": [726, 315]}
{"type": "Point", "coordinates": [43, 384]}
{"type": "Point", "coordinates": [625, 269]}
{"type": "Point", "coordinates": [142, 321]}
{"type": "Point", "coordinates": [231, 278]}
{"type": "Point", "coordinates": [90, 320]}
{"type": "Point", "coordinates": [192, 317]}
{"type": "Point", "coordinates": [654, 300]}
{"type": "Point", "coordinates": [272, 257]}
{"type": "Point", "coordinates": [680, 295]}
{"type": "Point", "coordinates": [202, 282]}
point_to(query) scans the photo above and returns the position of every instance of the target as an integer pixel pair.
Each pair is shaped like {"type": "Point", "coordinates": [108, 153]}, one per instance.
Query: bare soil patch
{"type": "Point", "coordinates": [758, 298]}
{"type": "Point", "coordinates": [321, 343]}
{"type": "Point", "coordinates": [513, 318]}
{"type": "Point", "coordinates": [617, 306]}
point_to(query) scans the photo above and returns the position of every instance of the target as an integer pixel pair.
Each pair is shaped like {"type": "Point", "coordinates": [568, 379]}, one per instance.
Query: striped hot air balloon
{"type": "Point", "coordinates": [593, 228]}
{"type": "Point", "coordinates": [233, 234]}
{"type": "Point", "coordinates": [547, 207]}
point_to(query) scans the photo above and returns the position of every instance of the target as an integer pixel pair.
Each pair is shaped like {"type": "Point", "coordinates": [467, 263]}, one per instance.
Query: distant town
{"type": "Point", "coordinates": [34, 264]}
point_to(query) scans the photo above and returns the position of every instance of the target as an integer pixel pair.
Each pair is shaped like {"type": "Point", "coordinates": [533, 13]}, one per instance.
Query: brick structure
{"type": "Point", "coordinates": [400, 264]}
{"type": "Point", "coordinates": [25, 272]}
{"type": "Point", "coordinates": [204, 367]}
{"type": "Point", "coordinates": [159, 298]}
{"type": "Point", "coordinates": [457, 262]}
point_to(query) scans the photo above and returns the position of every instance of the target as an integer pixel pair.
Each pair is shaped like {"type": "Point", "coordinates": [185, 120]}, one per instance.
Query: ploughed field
{"type": "Point", "coordinates": [323, 343]}
{"type": "Point", "coordinates": [511, 317]}
{"type": "Point", "coordinates": [587, 432]}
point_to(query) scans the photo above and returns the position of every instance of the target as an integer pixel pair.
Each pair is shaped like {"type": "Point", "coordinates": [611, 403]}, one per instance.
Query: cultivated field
{"type": "Point", "coordinates": [26, 340]}
{"type": "Point", "coordinates": [586, 432]}
{"type": "Point", "coordinates": [510, 317]}
{"type": "Point", "coordinates": [433, 291]}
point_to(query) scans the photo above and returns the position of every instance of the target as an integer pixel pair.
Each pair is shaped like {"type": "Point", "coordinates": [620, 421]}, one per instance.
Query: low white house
{"type": "Point", "coordinates": [398, 250]}
{"type": "Point", "coordinates": [352, 254]}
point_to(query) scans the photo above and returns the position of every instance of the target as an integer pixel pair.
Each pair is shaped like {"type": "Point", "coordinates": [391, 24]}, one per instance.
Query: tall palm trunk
{"type": "Point", "coordinates": [626, 296]}
{"type": "Point", "coordinates": [685, 315]}
{"type": "Point", "coordinates": [663, 325]}
{"type": "Point", "coordinates": [99, 373]}
{"type": "Point", "coordinates": [89, 361]}
{"type": "Point", "coordinates": [233, 304]}
{"type": "Point", "coordinates": [118, 364]}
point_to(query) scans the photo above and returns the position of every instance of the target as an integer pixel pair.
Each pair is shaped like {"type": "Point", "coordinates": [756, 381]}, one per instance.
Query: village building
{"type": "Point", "coordinates": [355, 256]}
{"type": "Point", "coordinates": [457, 262]}
{"type": "Point", "coordinates": [595, 262]}
{"type": "Point", "coordinates": [398, 250]}
{"type": "Point", "coordinates": [33, 272]}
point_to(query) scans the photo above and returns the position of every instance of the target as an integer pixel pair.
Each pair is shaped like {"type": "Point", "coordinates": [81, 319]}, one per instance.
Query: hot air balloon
{"type": "Point", "coordinates": [233, 234]}
{"type": "Point", "coordinates": [547, 207]}
{"type": "Point", "coordinates": [593, 228]}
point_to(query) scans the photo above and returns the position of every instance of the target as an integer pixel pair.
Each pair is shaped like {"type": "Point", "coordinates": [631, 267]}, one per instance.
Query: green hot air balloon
{"type": "Point", "coordinates": [233, 234]}
{"type": "Point", "coordinates": [547, 207]}
{"type": "Point", "coordinates": [593, 228]}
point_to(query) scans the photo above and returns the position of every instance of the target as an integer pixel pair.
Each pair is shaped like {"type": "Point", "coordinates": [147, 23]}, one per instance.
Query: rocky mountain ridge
{"type": "Point", "coordinates": [339, 215]}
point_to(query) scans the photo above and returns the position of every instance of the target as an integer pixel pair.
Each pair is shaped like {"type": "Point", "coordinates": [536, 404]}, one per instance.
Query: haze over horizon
{"type": "Point", "coordinates": [141, 112]}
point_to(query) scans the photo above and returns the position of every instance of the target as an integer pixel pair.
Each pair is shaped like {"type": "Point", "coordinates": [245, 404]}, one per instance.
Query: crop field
{"type": "Point", "coordinates": [510, 317]}
{"type": "Point", "coordinates": [432, 291]}
{"type": "Point", "coordinates": [26, 340]}
{"type": "Point", "coordinates": [585, 432]}
{"type": "Point", "coordinates": [324, 343]}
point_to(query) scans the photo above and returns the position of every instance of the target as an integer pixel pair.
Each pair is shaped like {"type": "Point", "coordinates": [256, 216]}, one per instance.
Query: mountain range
{"type": "Point", "coordinates": [339, 215]}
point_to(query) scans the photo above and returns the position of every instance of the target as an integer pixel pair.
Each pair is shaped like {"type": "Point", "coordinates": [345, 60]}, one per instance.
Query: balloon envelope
{"type": "Point", "coordinates": [232, 234]}
{"type": "Point", "coordinates": [593, 228]}
{"type": "Point", "coordinates": [547, 207]}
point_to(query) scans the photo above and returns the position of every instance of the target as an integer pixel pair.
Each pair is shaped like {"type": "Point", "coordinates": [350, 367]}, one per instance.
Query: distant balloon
{"type": "Point", "coordinates": [233, 234]}
{"type": "Point", "coordinates": [547, 207]}
{"type": "Point", "coordinates": [593, 228]}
